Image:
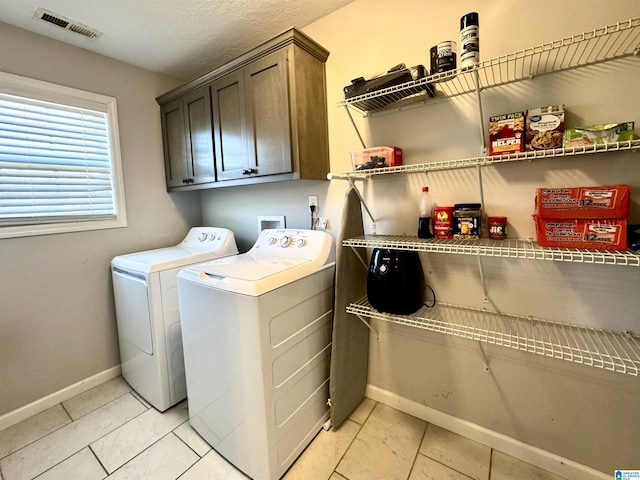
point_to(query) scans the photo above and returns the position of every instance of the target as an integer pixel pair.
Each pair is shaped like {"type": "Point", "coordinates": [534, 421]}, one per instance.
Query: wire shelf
{"type": "Point", "coordinates": [589, 48]}
{"type": "Point", "coordinates": [605, 349]}
{"type": "Point", "coordinates": [509, 248]}
{"type": "Point", "coordinates": [482, 161]}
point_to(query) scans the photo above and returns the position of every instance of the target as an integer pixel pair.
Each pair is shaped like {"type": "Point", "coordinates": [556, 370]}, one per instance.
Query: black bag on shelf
{"type": "Point", "coordinates": [395, 76]}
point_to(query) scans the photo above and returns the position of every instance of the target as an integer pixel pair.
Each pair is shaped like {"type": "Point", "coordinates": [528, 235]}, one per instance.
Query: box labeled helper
{"type": "Point", "coordinates": [506, 133]}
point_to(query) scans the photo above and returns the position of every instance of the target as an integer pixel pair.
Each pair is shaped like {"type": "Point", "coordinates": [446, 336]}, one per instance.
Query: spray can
{"type": "Point", "coordinates": [469, 40]}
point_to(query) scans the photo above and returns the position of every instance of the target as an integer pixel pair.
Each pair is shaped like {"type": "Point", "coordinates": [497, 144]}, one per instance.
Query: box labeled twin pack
{"type": "Point", "coordinates": [608, 201]}
{"type": "Point", "coordinates": [376, 157]}
{"type": "Point", "coordinates": [506, 133]}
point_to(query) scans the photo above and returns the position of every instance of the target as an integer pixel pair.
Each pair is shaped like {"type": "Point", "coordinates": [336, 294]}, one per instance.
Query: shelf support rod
{"type": "Point", "coordinates": [476, 80]}
{"type": "Point", "coordinates": [480, 188]}
{"type": "Point", "coordinates": [364, 204]}
{"type": "Point", "coordinates": [362, 261]}
{"type": "Point", "coordinates": [368, 326]}
{"type": "Point", "coordinates": [346, 107]}
{"type": "Point", "coordinates": [484, 356]}
{"type": "Point", "coordinates": [485, 293]}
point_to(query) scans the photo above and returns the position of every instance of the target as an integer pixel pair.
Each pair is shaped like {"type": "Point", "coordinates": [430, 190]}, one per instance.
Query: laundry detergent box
{"type": "Point", "coordinates": [588, 233]}
{"type": "Point", "coordinates": [608, 201]}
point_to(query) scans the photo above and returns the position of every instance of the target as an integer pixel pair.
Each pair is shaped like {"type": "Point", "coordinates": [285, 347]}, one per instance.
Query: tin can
{"type": "Point", "coordinates": [446, 56]}
{"type": "Point", "coordinates": [443, 222]}
{"type": "Point", "coordinates": [497, 228]}
{"type": "Point", "coordinates": [467, 220]}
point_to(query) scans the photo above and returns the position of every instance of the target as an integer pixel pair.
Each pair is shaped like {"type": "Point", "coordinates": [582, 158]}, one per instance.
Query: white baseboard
{"type": "Point", "coordinates": [527, 453]}
{"type": "Point", "coordinates": [22, 413]}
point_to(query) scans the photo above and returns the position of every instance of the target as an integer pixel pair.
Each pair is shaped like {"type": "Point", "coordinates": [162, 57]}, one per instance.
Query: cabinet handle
{"type": "Point", "coordinates": [249, 171]}
{"type": "Point", "coordinates": [187, 180]}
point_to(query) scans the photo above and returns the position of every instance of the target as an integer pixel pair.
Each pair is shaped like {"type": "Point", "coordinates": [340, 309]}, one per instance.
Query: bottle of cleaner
{"type": "Point", "coordinates": [426, 207]}
{"type": "Point", "coordinates": [469, 40]}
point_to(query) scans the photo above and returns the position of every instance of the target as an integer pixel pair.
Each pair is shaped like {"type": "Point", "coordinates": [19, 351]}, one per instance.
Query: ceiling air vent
{"type": "Point", "coordinates": [67, 24]}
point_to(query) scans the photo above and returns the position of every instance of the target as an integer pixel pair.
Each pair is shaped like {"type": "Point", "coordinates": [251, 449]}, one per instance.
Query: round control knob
{"type": "Point", "coordinates": [383, 268]}
{"type": "Point", "coordinates": [212, 236]}
{"type": "Point", "coordinates": [272, 240]}
{"type": "Point", "coordinates": [202, 237]}
{"type": "Point", "coordinates": [285, 241]}
{"type": "Point", "coordinates": [300, 243]}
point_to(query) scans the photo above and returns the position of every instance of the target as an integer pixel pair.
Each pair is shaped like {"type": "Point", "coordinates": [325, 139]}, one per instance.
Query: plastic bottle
{"type": "Point", "coordinates": [426, 207]}
{"type": "Point", "coordinates": [469, 40]}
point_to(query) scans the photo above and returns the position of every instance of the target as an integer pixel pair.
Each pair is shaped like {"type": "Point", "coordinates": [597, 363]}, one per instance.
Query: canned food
{"type": "Point", "coordinates": [443, 57]}
{"type": "Point", "coordinates": [443, 222]}
{"type": "Point", "coordinates": [498, 228]}
{"type": "Point", "coordinates": [467, 220]}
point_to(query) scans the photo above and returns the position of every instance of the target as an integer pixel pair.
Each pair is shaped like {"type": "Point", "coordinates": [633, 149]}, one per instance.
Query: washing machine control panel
{"type": "Point", "coordinates": [291, 242]}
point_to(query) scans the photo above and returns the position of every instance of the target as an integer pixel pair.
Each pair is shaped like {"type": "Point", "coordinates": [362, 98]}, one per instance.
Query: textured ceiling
{"type": "Point", "coordinates": [180, 38]}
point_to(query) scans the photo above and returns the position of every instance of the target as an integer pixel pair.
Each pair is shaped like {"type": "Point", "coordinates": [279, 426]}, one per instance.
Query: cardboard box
{"type": "Point", "coordinates": [594, 234]}
{"type": "Point", "coordinates": [376, 157]}
{"type": "Point", "coordinates": [598, 134]}
{"type": "Point", "coordinates": [545, 127]}
{"type": "Point", "coordinates": [506, 133]}
{"type": "Point", "coordinates": [608, 201]}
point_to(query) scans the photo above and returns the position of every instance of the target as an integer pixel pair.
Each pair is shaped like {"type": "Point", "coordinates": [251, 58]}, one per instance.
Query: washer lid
{"type": "Point", "coordinates": [249, 267]}
{"type": "Point", "coordinates": [250, 274]}
{"type": "Point", "coordinates": [200, 244]}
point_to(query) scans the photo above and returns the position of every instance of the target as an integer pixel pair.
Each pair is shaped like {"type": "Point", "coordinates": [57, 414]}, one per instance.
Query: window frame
{"type": "Point", "coordinates": [39, 90]}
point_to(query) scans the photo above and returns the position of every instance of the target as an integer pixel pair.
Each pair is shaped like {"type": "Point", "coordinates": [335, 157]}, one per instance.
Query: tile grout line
{"type": "Point", "coordinates": [140, 453]}
{"type": "Point", "coordinates": [415, 458]}
{"type": "Point", "coordinates": [97, 408]}
{"type": "Point", "coordinates": [361, 426]}
{"type": "Point", "coordinates": [97, 459]}
{"type": "Point", "coordinates": [490, 463]}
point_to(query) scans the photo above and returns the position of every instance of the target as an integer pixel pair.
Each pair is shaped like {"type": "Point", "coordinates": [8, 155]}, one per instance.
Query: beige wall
{"type": "Point", "coordinates": [57, 321]}
{"type": "Point", "coordinates": [583, 414]}
{"type": "Point", "coordinates": [57, 324]}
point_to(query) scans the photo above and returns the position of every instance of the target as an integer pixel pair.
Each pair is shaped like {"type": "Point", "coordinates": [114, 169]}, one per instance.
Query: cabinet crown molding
{"type": "Point", "coordinates": [291, 36]}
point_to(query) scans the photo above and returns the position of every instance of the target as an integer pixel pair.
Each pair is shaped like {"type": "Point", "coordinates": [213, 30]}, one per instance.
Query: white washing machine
{"type": "Point", "coordinates": [147, 313]}
{"type": "Point", "coordinates": [257, 338]}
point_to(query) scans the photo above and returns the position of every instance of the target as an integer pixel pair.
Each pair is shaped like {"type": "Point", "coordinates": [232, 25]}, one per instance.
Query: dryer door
{"type": "Point", "coordinates": [132, 310]}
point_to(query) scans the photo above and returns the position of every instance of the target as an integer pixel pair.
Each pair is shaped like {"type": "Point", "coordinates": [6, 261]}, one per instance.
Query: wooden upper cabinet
{"type": "Point", "coordinates": [229, 130]}
{"type": "Point", "coordinates": [266, 113]}
{"type": "Point", "coordinates": [188, 144]}
{"type": "Point", "coordinates": [267, 109]}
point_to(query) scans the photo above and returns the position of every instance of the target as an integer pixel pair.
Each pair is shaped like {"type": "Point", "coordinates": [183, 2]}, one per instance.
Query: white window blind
{"type": "Point", "coordinates": [56, 164]}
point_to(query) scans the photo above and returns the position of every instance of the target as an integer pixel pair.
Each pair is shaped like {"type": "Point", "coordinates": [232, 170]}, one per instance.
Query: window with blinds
{"type": "Point", "coordinates": [59, 162]}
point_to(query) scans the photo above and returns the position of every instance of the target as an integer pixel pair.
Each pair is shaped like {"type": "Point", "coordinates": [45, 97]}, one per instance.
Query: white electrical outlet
{"type": "Point", "coordinates": [313, 201]}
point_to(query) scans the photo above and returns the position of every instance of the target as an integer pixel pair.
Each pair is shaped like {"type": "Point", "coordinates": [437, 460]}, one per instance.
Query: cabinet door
{"type": "Point", "coordinates": [199, 138]}
{"type": "Point", "coordinates": [229, 131]}
{"type": "Point", "coordinates": [267, 114]}
{"type": "Point", "coordinates": [174, 137]}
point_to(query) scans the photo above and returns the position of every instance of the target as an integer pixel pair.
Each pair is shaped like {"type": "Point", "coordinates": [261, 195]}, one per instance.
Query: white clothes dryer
{"type": "Point", "coordinates": [257, 338]}
{"type": "Point", "coordinates": [147, 313]}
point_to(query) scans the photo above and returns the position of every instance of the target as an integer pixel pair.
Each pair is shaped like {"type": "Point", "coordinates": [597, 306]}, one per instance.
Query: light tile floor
{"type": "Point", "coordinates": [110, 432]}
